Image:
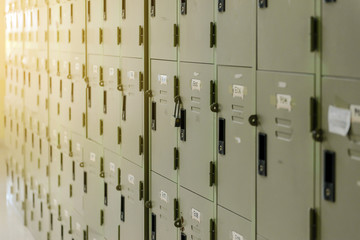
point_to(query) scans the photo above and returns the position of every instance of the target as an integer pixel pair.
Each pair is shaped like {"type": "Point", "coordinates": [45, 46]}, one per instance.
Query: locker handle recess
{"type": "Point", "coordinates": [105, 102]}
{"type": "Point", "coordinates": [329, 175]}
{"type": "Point", "coordinates": [104, 10]}
{"type": "Point", "coordinates": [221, 5]}
{"type": "Point", "coordinates": [183, 7]}
{"type": "Point", "coordinates": [153, 226]}
{"type": "Point", "coordinates": [105, 194]}
{"type": "Point", "coordinates": [153, 116]}
{"type": "Point", "coordinates": [123, 12]}
{"type": "Point", "coordinates": [183, 125]}
{"type": "Point", "coordinates": [212, 34]}
{"type": "Point", "coordinates": [314, 34]}
{"type": "Point", "coordinates": [122, 209]}
{"type": "Point", "coordinates": [118, 186]}
{"type": "Point", "coordinates": [89, 11]}
{"type": "Point", "coordinates": [222, 136]}
{"type": "Point", "coordinates": [262, 155]}
{"type": "Point", "coordinates": [123, 116]}
{"type": "Point", "coordinates": [263, 3]}
{"type": "Point", "coordinates": [152, 9]}
{"type": "Point", "coordinates": [85, 182]}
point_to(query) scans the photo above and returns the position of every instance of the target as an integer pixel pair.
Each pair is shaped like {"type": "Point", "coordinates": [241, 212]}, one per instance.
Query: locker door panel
{"type": "Point", "coordinates": [340, 162]}
{"type": "Point", "coordinates": [163, 134]}
{"type": "Point", "coordinates": [285, 45]}
{"type": "Point", "coordinates": [78, 185]}
{"type": "Point", "coordinates": [77, 27]}
{"type": "Point", "coordinates": [94, 26]}
{"type": "Point", "coordinates": [232, 226]}
{"type": "Point", "coordinates": [286, 155]}
{"type": "Point", "coordinates": [196, 152]}
{"type": "Point", "coordinates": [236, 91]}
{"type": "Point", "coordinates": [112, 12]}
{"type": "Point", "coordinates": [340, 38]}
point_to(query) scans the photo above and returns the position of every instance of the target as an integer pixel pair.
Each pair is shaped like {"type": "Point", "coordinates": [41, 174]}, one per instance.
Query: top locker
{"type": "Point", "coordinates": [287, 35]}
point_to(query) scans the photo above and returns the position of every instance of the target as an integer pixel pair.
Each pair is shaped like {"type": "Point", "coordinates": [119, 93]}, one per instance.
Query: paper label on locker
{"type": "Point", "coordinates": [65, 139]}
{"type": "Point", "coordinates": [77, 66]}
{"type": "Point", "coordinates": [282, 84]}
{"type": "Point", "coordinates": [95, 69]}
{"type": "Point", "coordinates": [164, 196]}
{"type": "Point", "coordinates": [78, 147]}
{"type": "Point", "coordinates": [55, 202]}
{"type": "Point", "coordinates": [195, 215]}
{"type": "Point", "coordinates": [195, 84]}
{"type": "Point", "coordinates": [162, 79]}
{"type": "Point", "coordinates": [66, 213]}
{"type": "Point", "coordinates": [238, 91]}
{"type": "Point", "coordinates": [236, 236]}
{"type": "Point", "coordinates": [92, 157]}
{"type": "Point", "coordinates": [131, 75]}
{"type": "Point", "coordinates": [283, 102]}
{"type": "Point", "coordinates": [238, 76]}
{"type": "Point", "coordinates": [339, 120]}
{"type": "Point", "coordinates": [111, 71]}
{"type": "Point", "coordinates": [112, 167]}
{"type": "Point", "coordinates": [355, 113]}
{"type": "Point", "coordinates": [78, 226]}
{"type": "Point", "coordinates": [131, 179]}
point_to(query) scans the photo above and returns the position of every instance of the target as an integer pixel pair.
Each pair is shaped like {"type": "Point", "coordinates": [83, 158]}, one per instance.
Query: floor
{"type": "Point", "coordinates": [11, 225]}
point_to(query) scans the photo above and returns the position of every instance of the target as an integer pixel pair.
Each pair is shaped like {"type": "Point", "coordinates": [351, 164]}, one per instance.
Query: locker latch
{"type": "Point", "coordinates": [313, 224]}
{"type": "Point", "coordinates": [329, 175]}
{"type": "Point", "coordinates": [176, 158]}
{"type": "Point", "coordinates": [119, 135]}
{"type": "Point", "coordinates": [102, 217]}
{"type": "Point", "coordinates": [212, 174]}
{"type": "Point", "coordinates": [141, 145]}
{"type": "Point", "coordinates": [101, 76]}
{"type": "Point", "coordinates": [101, 127]}
{"type": "Point", "coordinates": [100, 36]}
{"type": "Point", "coordinates": [119, 82]}
{"type": "Point", "coordinates": [254, 120]}
{"type": "Point", "coordinates": [212, 229]}
{"type": "Point", "coordinates": [183, 7]}
{"type": "Point", "coordinates": [69, 71]}
{"type": "Point", "coordinates": [317, 133]}
{"type": "Point", "coordinates": [330, 1]}
{"type": "Point", "coordinates": [141, 81]}
{"type": "Point", "coordinates": [141, 35]}
{"type": "Point", "coordinates": [214, 106]}
{"type": "Point", "coordinates": [152, 9]}
{"type": "Point", "coordinates": [221, 5]}
{"type": "Point", "coordinates": [212, 34]}
{"type": "Point", "coordinates": [123, 114]}
{"type": "Point", "coordinates": [222, 131]}
{"type": "Point", "coordinates": [262, 154]}
{"type": "Point", "coordinates": [176, 35]}
{"type": "Point", "coordinates": [263, 3]}
{"type": "Point", "coordinates": [141, 190]}
{"type": "Point", "coordinates": [153, 116]}
{"type": "Point", "coordinates": [314, 26]}
{"type": "Point", "coordinates": [118, 36]}
{"type": "Point", "coordinates": [123, 10]}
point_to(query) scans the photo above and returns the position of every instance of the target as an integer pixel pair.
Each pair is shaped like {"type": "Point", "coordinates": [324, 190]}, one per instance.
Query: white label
{"type": "Point", "coordinates": [66, 213]}
{"type": "Point", "coordinates": [55, 202]}
{"type": "Point", "coordinates": [95, 69]}
{"type": "Point", "coordinates": [195, 84]}
{"type": "Point", "coordinates": [339, 120]}
{"type": "Point", "coordinates": [164, 196]}
{"type": "Point", "coordinates": [78, 226]}
{"type": "Point", "coordinates": [53, 62]}
{"type": "Point", "coordinates": [65, 139]}
{"type": "Point", "coordinates": [78, 147]}
{"type": "Point", "coordinates": [54, 133]}
{"type": "Point", "coordinates": [112, 167]}
{"type": "Point", "coordinates": [77, 66]}
{"type": "Point", "coordinates": [131, 179]}
{"type": "Point", "coordinates": [236, 236]}
{"type": "Point", "coordinates": [238, 76]}
{"type": "Point", "coordinates": [196, 215]}
{"type": "Point", "coordinates": [131, 75]}
{"type": "Point", "coordinates": [283, 102]}
{"type": "Point", "coordinates": [196, 74]}
{"type": "Point", "coordinates": [111, 71]}
{"type": "Point", "coordinates": [162, 79]}
{"type": "Point", "coordinates": [92, 157]}
{"type": "Point", "coordinates": [282, 84]}
{"type": "Point", "coordinates": [355, 113]}
{"type": "Point", "coordinates": [238, 91]}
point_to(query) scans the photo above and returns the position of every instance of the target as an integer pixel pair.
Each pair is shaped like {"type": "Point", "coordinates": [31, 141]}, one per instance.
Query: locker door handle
{"type": "Point", "coordinates": [85, 182]}
{"type": "Point", "coordinates": [214, 106]}
{"type": "Point", "coordinates": [153, 226]}
{"type": "Point", "coordinates": [176, 35]}
{"type": "Point", "coordinates": [104, 10]}
{"type": "Point", "coordinates": [69, 71]}
{"type": "Point", "coordinates": [101, 76]}
{"type": "Point", "coordinates": [141, 145]}
{"type": "Point", "coordinates": [100, 36]}
{"type": "Point", "coordinates": [153, 116]}
{"type": "Point", "coordinates": [141, 190]}
{"type": "Point", "coordinates": [329, 175]}
{"type": "Point", "coordinates": [221, 5]}
{"type": "Point", "coordinates": [141, 35]}
{"type": "Point", "coordinates": [89, 11]}
{"type": "Point", "coordinates": [263, 3]}
{"type": "Point", "coordinates": [152, 9]}
{"type": "Point", "coordinates": [118, 36]}
{"type": "Point", "coordinates": [222, 136]}
{"type": "Point", "coordinates": [72, 13]}
{"type": "Point", "coordinates": [123, 116]}
{"type": "Point", "coordinates": [314, 26]}
{"type": "Point", "coordinates": [262, 154]}
{"type": "Point", "coordinates": [122, 209]}
{"type": "Point", "coordinates": [123, 12]}
{"type": "Point", "coordinates": [119, 81]}
{"type": "Point", "coordinates": [118, 187]}
{"type": "Point", "coordinates": [105, 102]}
{"type": "Point", "coordinates": [105, 194]}
{"type": "Point", "coordinates": [183, 7]}
{"type": "Point", "coordinates": [183, 125]}
{"type": "Point", "coordinates": [212, 34]}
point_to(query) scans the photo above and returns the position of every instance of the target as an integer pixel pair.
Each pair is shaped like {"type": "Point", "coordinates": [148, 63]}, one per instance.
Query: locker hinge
{"type": "Point", "coordinates": [176, 35]}
{"type": "Point", "coordinates": [141, 145]}
{"type": "Point", "coordinates": [101, 217]}
{"type": "Point", "coordinates": [141, 190]}
{"type": "Point", "coordinates": [176, 209]}
{"type": "Point", "coordinates": [212, 229]}
{"type": "Point", "coordinates": [317, 133]}
{"type": "Point", "coordinates": [141, 81]}
{"type": "Point", "coordinates": [100, 36]}
{"type": "Point", "coordinates": [119, 135]}
{"type": "Point", "coordinates": [69, 71]}
{"type": "Point", "coordinates": [152, 8]}
{"type": "Point", "coordinates": [47, 171]}
{"type": "Point", "coordinates": [101, 76]}
{"type": "Point", "coordinates": [118, 36]}
{"type": "Point", "coordinates": [83, 71]}
{"type": "Point", "coordinates": [314, 25]}
{"type": "Point", "coordinates": [176, 158]}
{"type": "Point", "coordinates": [313, 224]}
{"type": "Point", "coordinates": [82, 36]}
{"type": "Point", "coordinates": [214, 106]}
{"type": "Point", "coordinates": [212, 174]}
{"type": "Point", "coordinates": [101, 127]}
{"type": "Point", "coordinates": [119, 80]}
{"type": "Point", "coordinates": [83, 119]}
{"type": "Point", "coordinates": [141, 35]}
{"type": "Point", "coordinates": [212, 34]}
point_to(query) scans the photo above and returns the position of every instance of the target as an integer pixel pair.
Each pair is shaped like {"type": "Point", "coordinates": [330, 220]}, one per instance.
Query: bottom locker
{"type": "Point", "coordinates": [79, 228]}
{"type": "Point", "coordinates": [232, 226]}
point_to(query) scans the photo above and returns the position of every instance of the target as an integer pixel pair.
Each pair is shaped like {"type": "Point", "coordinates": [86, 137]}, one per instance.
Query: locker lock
{"type": "Point", "coordinates": [318, 135]}
{"type": "Point", "coordinates": [263, 3]}
{"type": "Point", "coordinates": [102, 174]}
{"type": "Point", "coordinates": [118, 187]}
{"type": "Point", "coordinates": [179, 222]}
{"type": "Point", "coordinates": [214, 107]}
{"type": "Point", "coordinates": [148, 204]}
{"type": "Point", "coordinates": [254, 120]}
{"type": "Point", "coordinates": [82, 164]}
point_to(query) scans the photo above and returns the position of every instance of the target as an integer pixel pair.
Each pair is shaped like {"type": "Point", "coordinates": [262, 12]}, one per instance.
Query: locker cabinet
{"type": "Point", "coordinates": [232, 226]}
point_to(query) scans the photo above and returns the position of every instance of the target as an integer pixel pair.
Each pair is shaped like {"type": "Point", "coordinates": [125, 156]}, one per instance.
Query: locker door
{"type": "Point", "coordinates": [195, 31]}
{"type": "Point", "coordinates": [232, 226]}
{"type": "Point", "coordinates": [292, 51]}
{"type": "Point", "coordinates": [112, 104]}
{"type": "Point", "coordinates": [112, 37]}
{"type": "Point", "coordinates": [236, 140]}
{"type": "Point", "coordinates": [78, 176]}
{"type": "Point", "coordinates": [77, 28]}
{"type": "Point", "coordinates": [65, 25]}
{"type": "Point", "coordinates": [42, 29]}
{"type": "Point", "coordinates": [197, 213]}
{"type": "Point", "coordinates": [196, 132]}
{"type": "Point", "coordinates": [163, 134]}
{"type": "Point", "coordinates": [285, 179]}
{"type": "Point", "coordinates": [79, 227]}
{"type": "Point", "coordinates": [54, 30]}
{"type": "Point", "coordinates": [95, 27]}
{"type": "Point", "coordinates": [164, 196]}
{"type": "Point", "coordinates": [132, 22]}
{"type": "Point", "coordinates": [132, 110]}
{"type": "Point", "coordinates": [93, 177]}
{"type": "Point", "coordinates": [44, 164]}
{"type": "Point", "coordinates": [131, 204]}
{"type": "Point", "coordinates": [236, 15]}
{"type": "Point", "coordinates": [340, 38]}
{"type": "Point", "coordinates": [112, 194]}
{"type": "Point", "coordinates": [95, 98]}
{"type": "Point", "coordinates": [162, 21]}
{"type": "Point", "coordinates": [340, 160]}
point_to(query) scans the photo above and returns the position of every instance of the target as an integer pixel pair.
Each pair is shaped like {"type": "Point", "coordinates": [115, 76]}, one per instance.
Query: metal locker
{"type": "Point", "coordinates": [79, 230]}
{"type": "Point", "coordinates": [285, 179]}
{"type": "Point", "coordinates": [235, 32]}
{"type": "Point", "coordinates": [236, 140]}
{"type": "Point", "coordinates": [196, 216]}
{"type": "Point", "coordinates": [132, 30]}
{"type": "Point", "coordinates": [43, 165]}
{"type": "Point", "coordinates": [132, 110]}
{"type": "Point", "coordinates": [77, 26]}
{"type": "Point", "coordinates": [93, 180]}
{"type": "Point", "coordinates": [94, 235]}
{"type": "Point", "coordinates": [164, 208]}
{"type": "Point", "coordinates": [65, 23]}
{"type": "Point", "coordinates": [164, 83]}
{"type": "Point", "coordinates": [197, 31]}
{"type": "Point", "coordinates": [164, 30]}
{"type": "Point", "coordinates": [112, 31]}
{"type": "Point", "coordinates": [95, 27]}
{"type": "Point", "coordinates": [196, 129]}
{"type": "Point", "coordinates": [67, 221]}
{"type": "Point", "coordinates": [112, 104]}
{"type": "Point", "coordinates": [287, 45]}
{"type": "Point", "coordinates": [55, 178]}
{"type": "Point", "coordinates": [54, 27]}
{"type": "Point", "coordinates": [112, 192]}
{"type": "Point", "coordinates": [78, 165]}
{"type": "Point", "coordinates": [56, 225]}
{"type": "Point", "coordinates": [42, 38]}
{"type": "Point", "coordinates": [131, 201]}
{"type": "Point", "coordinates": [95, 94]}
{"type": "Point", "coordinates": [232, 226]}
{"type": "Point", "coordinates": [340, 34]}
{"type": "Point", "coordinates": [340, 159]}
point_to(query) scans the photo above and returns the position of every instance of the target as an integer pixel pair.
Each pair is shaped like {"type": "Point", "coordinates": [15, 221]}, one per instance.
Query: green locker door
{"type": "Point", "coordinates": [112, 33]}
{"type": "Point", "coordinates": [196, 131]}
{"type": "Point", "coordinates": [285, 179]}
{"type": "Point", "coordinates": [132, 110]}
{"type": "Point", "coordinates": [132, 34]}
{"type": "Point", "coordinates": [340, 160]}
{"type": "Point", "coordinates": [285, 45]}
{"type": "Point", "coordinates": [196, 17]}
{"type": "Point", "coordinates": [164, 198]}
{"type": "Point", "coordinates": [95, 27]}
{"type": "Point", "coordinates": [78, 177]}
{"type": "Point", "coordinates": [236, 140]}
{"type": "Point", "coordinates": [163, 19]}
{"type": "Point", "coordinates": [341, 36]}
{"type": "Point", "coordinates": [235, 32]}
{"type": "Point", "coordinates": [132, 202]}
{"type": "Point", "coordinates": [163, 131]}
